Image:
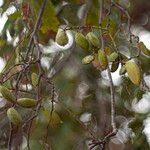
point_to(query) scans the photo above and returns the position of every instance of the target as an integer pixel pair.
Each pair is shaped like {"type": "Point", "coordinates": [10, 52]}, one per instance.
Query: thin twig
{"type": "Point", "coordinates": [10, 136]}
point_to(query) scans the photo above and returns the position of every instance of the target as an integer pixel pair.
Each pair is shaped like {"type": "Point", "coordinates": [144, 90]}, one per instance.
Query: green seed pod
{"type": "Point", "coordinates": [133, 72]}
{"type": "Point", "coordinates": [102, 59]}
{"type": "Point", "coordinates": [114, 66]}
{"type": "Point", "coordinates": [113, 56]}
{"type": "Point", "coordinates": [14, 116]}
{"type": "Point", "coordinates": [61, 37]}
{"type": "Point", "coordinates": [123, 70]}
{"type": "Point", "coordinates": [27, 102]}
{"type": "Point", "coordinates": [81, 41]}
{"type": "Point", "coordinates": [34, 79]}
{"type": "Point", "coordinates": [93, 39]}
{"type": "Point", "coordinates": [87, 59]}
{"type": "Point", "coordinates": [7, 94]}
{"type": "Point", "coordinates": [143, 48]}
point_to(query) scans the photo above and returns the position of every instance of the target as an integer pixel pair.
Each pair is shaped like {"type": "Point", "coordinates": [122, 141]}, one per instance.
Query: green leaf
{"type": "Point", "coordinates": [49, 19]}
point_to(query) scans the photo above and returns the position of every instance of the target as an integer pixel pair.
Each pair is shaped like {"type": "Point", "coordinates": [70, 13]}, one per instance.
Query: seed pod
{"type": "Point", "coordinates": [123, 70]}
{"type": "Point", "coordinates": [34, 79]}
{"type": "Point", "coordinates": [133, 71]}
{"type": "Point", "coordinates": [81, 41]}
{"type": "Point", "coordinates": [143, 48]}
{"type": "Point", "coordinates": [7, 94]}
{"type": "Point", "coordinates": [93, 39]}
{"type": "Point", "coordinates": [114, 66]}
{"type": "Point", "coordinates": [102, 59]}
{"type": "Point", "coordinates": [61, 37]}
{"type": "Point", "coordinates": [113, 56]}
{"type": "Point", "coordinates": [14, 116]}
{"type": "Point", "coordinates": [87, 59]}
{"type": "Point", "coordinates": [27, 102]}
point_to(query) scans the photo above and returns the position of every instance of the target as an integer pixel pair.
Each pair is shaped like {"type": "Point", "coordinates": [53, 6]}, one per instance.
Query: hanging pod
{"type": "Point", "coordinates": [14, 116]}
{"type": "Point", "coordinates": [133, 72]}
{"type": "Point", "coordinates": [81, 41]}
{"type": "Point", "coordinates": [61, 37]}
{"type": "Point", "coordinates": [27, 102]}
{"type": "Point", "coordinates": [93, 39]}
{"type": "Point", "coordinates": [7, 94]}
{"type": "Point", "coordinates": [87, 59]}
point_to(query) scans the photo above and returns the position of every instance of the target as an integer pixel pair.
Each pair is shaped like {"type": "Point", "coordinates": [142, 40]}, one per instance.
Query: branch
{"type": "Point", "coordinates": [36, 27]}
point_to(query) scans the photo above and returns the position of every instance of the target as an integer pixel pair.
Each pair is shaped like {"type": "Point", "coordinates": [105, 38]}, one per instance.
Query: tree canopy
{"type": "Point", "coordinates": [76, 75]}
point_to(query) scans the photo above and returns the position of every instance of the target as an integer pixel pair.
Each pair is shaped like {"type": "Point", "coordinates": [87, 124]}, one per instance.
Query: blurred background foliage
{"type": "Point", "coordinates": [83, 94]}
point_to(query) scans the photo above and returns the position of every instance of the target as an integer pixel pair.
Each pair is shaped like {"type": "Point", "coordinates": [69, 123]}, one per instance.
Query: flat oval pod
{"type": "Point", "coordinates": [133, 72]}
{"type": "Point", "coordinates": [27, 102]}
{"type": "Point", "coordinates": [81, 41]}
{"type": "Point", "coordinates": [93, 39]}
{"type": "Point", "coordinates": [87, 59]}
{"type": "Point", "coordinates": [113, 56]}
{"type": "Point", "coordinates": [102, 59]}
{"type": "Point", "coordinates": [7, 94]}
{"type": "Point", "coordinates": [34, 79]}
{"type": "Point", "coordinates": [14, 116]}
{"type": "Point", "coordinates": [61, 37]}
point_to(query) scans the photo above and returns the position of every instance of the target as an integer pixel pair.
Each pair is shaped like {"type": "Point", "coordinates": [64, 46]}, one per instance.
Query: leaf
{"type": "Point", "coordinates": [49, 19]}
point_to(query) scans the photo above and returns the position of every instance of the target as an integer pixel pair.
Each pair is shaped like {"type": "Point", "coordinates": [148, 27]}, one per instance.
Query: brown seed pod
{"type": "Point", "coordinates": [61, 37]}
{"type": "Point", "coordinates": [87, 59]}
{"type": "Point", "coordinates": [27, 102]}
{"type": "Point", "coordinates": [102, 59]}
{"type": "Point", "coordinates": [34, 79]}
{"type": "Point", "coordinates": [133, 72]}
{"type": "Point", "coordinates": [14, 116]}
{"type": "Point", "coordinates": [7, 94]}
{"type": "Point", "coordinates": [81, 41]}
{"type": "Point", "coordinates": [93, 39]}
